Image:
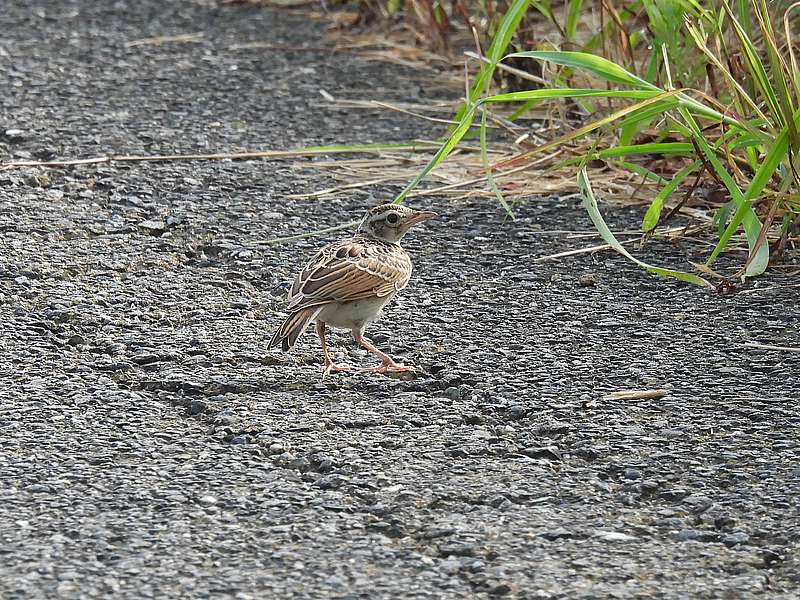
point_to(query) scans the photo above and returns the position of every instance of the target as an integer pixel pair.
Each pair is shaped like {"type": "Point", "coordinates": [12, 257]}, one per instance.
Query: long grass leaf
{"type": "Point", "coordinates": [602, 67]}
{"type": "Point", "coordinates": [590, 204]}
{"type": "Point", "coordinates": [588, 128]}
{"type": "Point", "coordinates": [495, 53]}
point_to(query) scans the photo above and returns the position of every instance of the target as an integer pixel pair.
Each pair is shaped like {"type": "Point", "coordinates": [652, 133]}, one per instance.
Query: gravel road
{"type": "Point", "coordinates": [150, 447]}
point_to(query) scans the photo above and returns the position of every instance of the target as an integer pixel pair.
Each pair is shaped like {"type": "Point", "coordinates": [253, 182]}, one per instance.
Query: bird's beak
{"type": "Point", "coordinates": [421, 216]}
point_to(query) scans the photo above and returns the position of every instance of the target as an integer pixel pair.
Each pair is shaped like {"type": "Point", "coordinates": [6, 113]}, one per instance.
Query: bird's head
{"type": "Point", "coordinates": [390, 222]}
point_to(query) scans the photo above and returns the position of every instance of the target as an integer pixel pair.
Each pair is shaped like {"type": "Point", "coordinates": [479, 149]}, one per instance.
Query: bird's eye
{"type": "Point", "coordinates": [392, 218]}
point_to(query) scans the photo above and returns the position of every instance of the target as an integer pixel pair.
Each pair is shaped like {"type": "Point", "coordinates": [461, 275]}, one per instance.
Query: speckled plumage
{"type": "Point", "coordinates": [347, 283]}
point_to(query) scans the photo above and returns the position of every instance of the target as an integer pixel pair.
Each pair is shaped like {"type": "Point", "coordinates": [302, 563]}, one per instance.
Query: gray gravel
{"type": "Point", "coordinates": [151, 448]}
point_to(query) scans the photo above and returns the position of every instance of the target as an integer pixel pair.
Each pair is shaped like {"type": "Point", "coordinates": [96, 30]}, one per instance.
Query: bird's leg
{"type": "Point", "coordinates": [388, 365]}
{"type": "Point", "coordinates": [330, 366]}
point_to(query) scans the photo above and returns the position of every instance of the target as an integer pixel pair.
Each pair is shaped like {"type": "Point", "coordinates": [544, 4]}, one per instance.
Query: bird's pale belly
{"type": "Point", "coordinates": [353, 315]}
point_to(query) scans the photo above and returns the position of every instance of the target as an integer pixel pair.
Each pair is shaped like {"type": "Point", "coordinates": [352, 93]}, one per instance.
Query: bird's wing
{"type": "Point", "coordinates": [351, 270]}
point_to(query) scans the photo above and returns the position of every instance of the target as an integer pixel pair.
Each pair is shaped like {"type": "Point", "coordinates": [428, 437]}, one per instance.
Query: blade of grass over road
{"type": "Point", "coordinates": [590, 204]}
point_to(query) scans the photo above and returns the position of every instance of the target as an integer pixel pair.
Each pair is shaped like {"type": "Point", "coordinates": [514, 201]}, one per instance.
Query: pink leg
{"type": "Point", "coordinates": [330, 366]}
{"type": "Point", "coordinates": [388, 365]}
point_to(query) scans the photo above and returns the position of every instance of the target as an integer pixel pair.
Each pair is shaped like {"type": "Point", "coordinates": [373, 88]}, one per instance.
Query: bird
{"type": "Point", "coordinates": [348, 282]}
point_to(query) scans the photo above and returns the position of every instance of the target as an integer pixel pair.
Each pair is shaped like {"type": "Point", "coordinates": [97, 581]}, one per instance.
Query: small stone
{"type": "Point", "coordinates": [631, 474]}
{"type": "Point", "coordinates": [457, 549]}
{"type": "Point", "coordinates": [500, 502]}
{"type": "Point", "coordinates": [451, 566]}
{"type": "Point", "coordinates": [673, 495]}
{"type": "Point", "coordinates": [724, 522]}
{"type": "Point", "coordinates": [15, 135]}
{"type": "Point", "coordinates": [329, 482]}
{"type": "Point", "coordinates": [697, 504]}
{"type": "Point", "coordinates": [614, 536]}
{"type": "Point", "coordinates": [670, 523]}
{"type": "Point", "coordinates": [735, 538]}
{"type": "Point", "coordinates": [153, 227]}
{"type": "Point", "coordinates": [499, 589]}
{"type": "Point", "coordinates": [516, 412]}
{"type": "Point", "coordinates": [276, 448]}
{"type": "Point", "coordinates": [696, 535]}
{"type": "Point", "coordinates": [546, 452]}
{"type": "Point", "coordinates": [556, 534]}
{"type": "Point", "coordinates": [38, 488]}
{"type": "Point", "coordinates": [240, 440]}
{"type": "Point", "coordinates": [587, 280]}
{"type": "Point", "coordinates": [452, 393]}
{"type": "Point", "coordinates": [76, 340]}
{"type": "Point", "coordinates": [207, 500]}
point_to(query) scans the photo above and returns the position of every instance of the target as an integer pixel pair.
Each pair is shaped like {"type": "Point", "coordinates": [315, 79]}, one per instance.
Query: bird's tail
{"type": "Point", "coordinates": [293, 327]}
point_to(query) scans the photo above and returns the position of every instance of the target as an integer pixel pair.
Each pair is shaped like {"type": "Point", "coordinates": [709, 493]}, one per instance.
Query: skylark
{"type": "Point", "coordinates": [348, 282]}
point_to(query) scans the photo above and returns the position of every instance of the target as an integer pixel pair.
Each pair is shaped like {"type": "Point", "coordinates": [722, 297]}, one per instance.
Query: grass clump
{"type": "Point", "coordinates": [710, 90]}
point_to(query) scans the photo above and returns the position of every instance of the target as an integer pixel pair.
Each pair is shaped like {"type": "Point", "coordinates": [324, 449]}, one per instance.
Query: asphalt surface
{"type": "Point", "coordinates": [151, 448]}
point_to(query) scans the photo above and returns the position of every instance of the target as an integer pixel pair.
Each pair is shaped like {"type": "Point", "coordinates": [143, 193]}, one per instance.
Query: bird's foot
{"type": "Point", "coordinates": [332, 367]}
{"type": "Point", "coordinates": [392, 367]}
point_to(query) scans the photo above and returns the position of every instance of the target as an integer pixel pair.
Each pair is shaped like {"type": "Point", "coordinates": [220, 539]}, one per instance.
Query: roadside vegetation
{"type": "Point", "coordinates": [686, 96]}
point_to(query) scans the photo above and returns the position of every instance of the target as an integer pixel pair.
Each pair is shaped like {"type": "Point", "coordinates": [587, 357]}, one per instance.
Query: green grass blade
{"type": "Point", "coordinates": [447, 147]}
{"type": "Point", "coordinates": [745, 215]}
{"type": "Point", "coordinates": [599, 66]}
{"type": "Point", "coordinates": [573, 16]}
{"type": "Point", "coordinates": [697, 37]}
{"type": "Point", "coordinates": [754, 64]}
{"type": "Point", "coordinates": [488, 168]}
{"type": "Point", "coordinates": [495, 53]}
{"type": "Point", "coordinates": [523, 109]}
{"type": "Point", "coordinates": [550, 93]}
{"type": "Point", "coordinates": [590, 204]}
{"type": "Point", "coordinates": [666, 148]}
{"type": "Point", "coordinates": [653, 213]}
{"type": "Point", "coordinates": [654, 99]}
{"type": "Point", "coordinates": [609, 71]}
{"type": "Point", "coordinates": [644, 172]}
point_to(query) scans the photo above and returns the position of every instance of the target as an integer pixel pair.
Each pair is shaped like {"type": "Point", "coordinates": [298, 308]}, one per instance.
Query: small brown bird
{"type": "Point", "coordinates": [347, 283]}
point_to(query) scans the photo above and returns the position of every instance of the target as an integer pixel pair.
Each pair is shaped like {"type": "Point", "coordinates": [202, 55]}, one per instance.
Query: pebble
{"type": "Point", "coordinates": [456, 549]}
{"type": "Point", "coordinates": [153, 227]}
{"type": "Point", "coordinates": [697, 504]}
{"type": "Point", "coordinates": [516, 412]}
{"type": "Point", "coordinates": [277, 448]}
{"type": "Point", "coordinates": [196, 407]}
{"type": "Point", "coordinates": [76, 340]}
{"type": "Point", "coordinates": [614, 536]}
{"type": "Point", "coordinates": [207, 500]}
{"type": "Point", "coordinates": [556, 534]}
{"type": "Point", "coordinates": [696, 535]}
{"type": "Point", "coordinates": [15, 135]}
{"type": "Point", "coordinates": [736, 538]}
{"type": "Point", "coordinates": [38, 488]}
{"type": "Point", "coordinates": [632, 474]}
